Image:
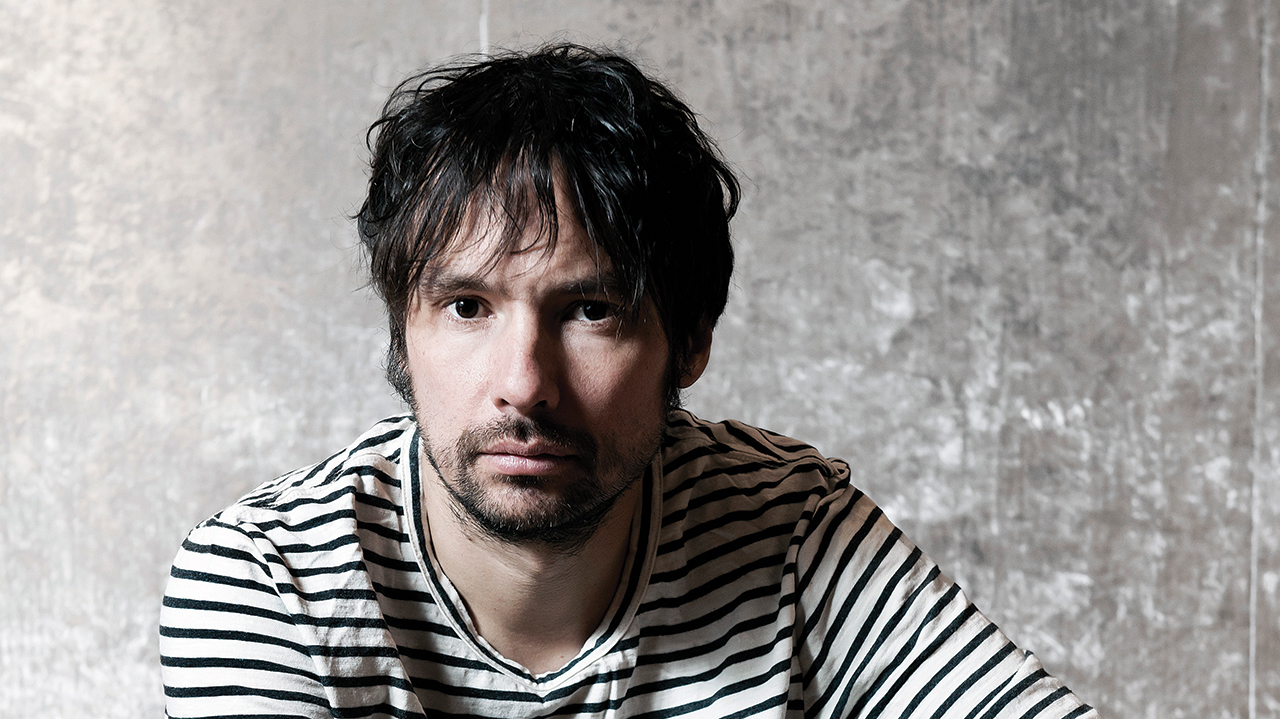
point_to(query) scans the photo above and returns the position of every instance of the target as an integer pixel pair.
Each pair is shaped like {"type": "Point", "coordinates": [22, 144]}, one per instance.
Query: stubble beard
{"type": "Point", "coordinates": [563, 522]}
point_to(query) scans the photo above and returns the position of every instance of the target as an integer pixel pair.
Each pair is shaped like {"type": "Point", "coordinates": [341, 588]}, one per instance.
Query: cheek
{"type": "Point", "coordinates": [420, 365]}
{"type": "Point", "coordinates": [441, 376]}
{"type": "Point", "coordinates": [624, 387]}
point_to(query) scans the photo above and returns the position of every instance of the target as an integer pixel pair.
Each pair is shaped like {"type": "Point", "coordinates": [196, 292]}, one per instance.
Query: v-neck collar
{"type": "Point", "coordinates": [645, 525]}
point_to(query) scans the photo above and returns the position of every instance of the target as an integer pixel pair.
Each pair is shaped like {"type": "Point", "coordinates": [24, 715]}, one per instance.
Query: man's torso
{"type": "Point", "coordinates": [759, 583]}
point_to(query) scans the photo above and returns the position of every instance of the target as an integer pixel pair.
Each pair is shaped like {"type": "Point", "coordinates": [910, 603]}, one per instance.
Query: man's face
{"type": "Point", "coordinates": [539, 402]}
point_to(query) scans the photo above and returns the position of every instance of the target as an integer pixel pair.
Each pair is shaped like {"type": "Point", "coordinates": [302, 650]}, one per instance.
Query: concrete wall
{"type": "Point", "coordinates": [1012, 258]}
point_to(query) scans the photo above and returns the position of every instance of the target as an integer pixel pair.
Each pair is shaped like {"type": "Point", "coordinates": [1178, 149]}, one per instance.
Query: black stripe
{"type": "Point", "coordinates": [763, 706]}
{"type": "Point", "coordinates": [303, 619]}
{"type": "Point", "coordinates": [702, 590]}
{"type": "Point", "coordinates": [377, 502]}
{"type": "Point", "coordinates": [716, 552]}
{"type": "Point", "coordinates": [1044, 703]}
{"type": "Point", "coordinates": [277, 485]}
{"type": "Point", "coordinates": [448, 660]}
{"type": "Point", "coordinates": [381, 560]}
{"type": "Point", "coordinates": [792, 470]}
{"type": "Point", "coordinates": [382, 708]}
{"type": "Point", "coordinates": [724, 691]}
{"type": "Point", "coordinates": [1080, 711]}
{"type": "Point", "coordinates": [719, 612]}
{"type": "Point", "coordinates": [755, 465]}
{"type": "Point", "coordinates": [783, 442]}
{"type": "Point", "coordinates": [329, 546]}
{"type": "Point", "coordinates": [389, 533]}
{"type": "Point", "coordinates": [471, 692]}
{"type": "Point", "coordinates": [403, 595]}
{"type": "Point", "coordinates": [419, 625]}
{"type": "Point", "coordinates": [907, 647]}
{"type": "Point", "coordinates": [384, 438]}
{"type": "Point", "coordinates": [956, 658]}
{"type": "Point", "coordinates": [914, 668]}
{"type": "Point", "coordinates": [300, 572]}
{"type": "Point", "coordinates": [207, 578]}
{"type": "Point", "coordinates": [707, 648]}
{"type": "Point", "coordinates": [236, 663]}
{"type": "Point", "coordinates": [975, 676]}
{"type": "Point", "coordinates": [890, 589]}
{"type": "Point", "coordinates": [851, 547]}
{"type": "Point", "coordinates": [740, 433]}
{"type": "Point", "coordinates": [255, 638]}
{"type": "Point", "coordinates": [205, 692]}
{"type": "Point", "coordinates": [368, 470]}
{"type": "Point", "coordinates": [888, 630]}
{"type": "Point", "coordinates": [584, 684]}
{"type": "Point", "coordinates": [990, 697]}
{"type": "Point", "coordinates": [234, 636]}
{"type": "Point", "coordinates": [1014, 692]}
{"type": "Point", "coordinates": [742, 466]}
{"type": "Point", "coordinates": [225, 552]}
{"type": "Point", "coordinates": [833, 527]}
{"type": "Point", "coordinates": [670, 466]}
{"type": "Point", "coordinates": [312, 522]}
{"type": "Point", "coordinates": [226, 607]}
{"type": "Point", "coordinates": [725, 518]}
{"type": "Point", "coordinates": [667, 684]}
{"type": "Point", "coordinates": [325, 595]}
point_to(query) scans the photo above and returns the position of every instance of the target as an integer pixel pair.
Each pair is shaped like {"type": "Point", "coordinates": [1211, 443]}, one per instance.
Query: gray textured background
{"type": "Point", "coordinates": [1005, 256]}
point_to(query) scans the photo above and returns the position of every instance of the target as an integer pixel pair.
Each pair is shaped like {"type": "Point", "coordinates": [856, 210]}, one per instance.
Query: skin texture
{"type": "Point", "coordinates": [540, 404]}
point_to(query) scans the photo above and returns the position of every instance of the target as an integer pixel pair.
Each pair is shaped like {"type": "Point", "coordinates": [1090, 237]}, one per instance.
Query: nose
{"type": "Point", "coordinates": [526, 368]}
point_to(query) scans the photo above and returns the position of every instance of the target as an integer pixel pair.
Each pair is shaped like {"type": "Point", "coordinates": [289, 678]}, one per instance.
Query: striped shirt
{"type": "Point", "coordinates": [760, 583]}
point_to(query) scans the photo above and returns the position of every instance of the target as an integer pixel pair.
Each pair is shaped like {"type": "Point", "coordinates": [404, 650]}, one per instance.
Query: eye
{"type": "Point", "coordinates": [466, 307]}
{"type": "Point", "coordinates": [594, 311]}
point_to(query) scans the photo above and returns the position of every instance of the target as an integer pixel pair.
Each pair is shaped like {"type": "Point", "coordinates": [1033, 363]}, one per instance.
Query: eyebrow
{"type": "Point", "coordinates": [607, 285]}
{"type": "Point", "coordinates": [441, 283]}
{"type": "Point", "coordinates": [437, 283]}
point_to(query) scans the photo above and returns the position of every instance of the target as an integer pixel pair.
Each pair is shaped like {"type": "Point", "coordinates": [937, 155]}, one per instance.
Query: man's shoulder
{"type": "Point", "coordinates": [696, 450]}
{"type": "Point", "coordinates": [370, 466]}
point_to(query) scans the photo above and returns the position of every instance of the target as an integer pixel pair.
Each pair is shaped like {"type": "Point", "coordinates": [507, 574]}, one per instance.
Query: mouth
{"type": "Point", "coordinates": [536, 458]}
{"type": "Point", "coordinates": [536, 448]}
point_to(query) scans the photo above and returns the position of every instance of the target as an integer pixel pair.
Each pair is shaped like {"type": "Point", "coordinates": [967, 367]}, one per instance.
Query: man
{"type": "Point", "coordinates": [548, 534]}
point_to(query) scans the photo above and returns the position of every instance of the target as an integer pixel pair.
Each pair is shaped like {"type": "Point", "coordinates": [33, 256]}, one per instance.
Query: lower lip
{"type": "Point", "coordinates": [518, 464]}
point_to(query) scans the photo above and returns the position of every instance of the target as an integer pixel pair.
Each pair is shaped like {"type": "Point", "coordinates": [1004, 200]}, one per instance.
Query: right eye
{"type": "Point", "coordinates": [466, 308]}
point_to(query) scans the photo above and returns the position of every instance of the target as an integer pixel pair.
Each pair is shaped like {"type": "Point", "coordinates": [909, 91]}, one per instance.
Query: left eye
{"type": "Point", "coordinates": [466, 308]}
{"type": "Point", "coordinates": [593, 311]}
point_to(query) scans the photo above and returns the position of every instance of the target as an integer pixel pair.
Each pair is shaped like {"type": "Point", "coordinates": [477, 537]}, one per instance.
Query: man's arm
{"type": "Point", "coordinates": [228, 644]}
{"type": "Point", "coordinates": [885, 633]}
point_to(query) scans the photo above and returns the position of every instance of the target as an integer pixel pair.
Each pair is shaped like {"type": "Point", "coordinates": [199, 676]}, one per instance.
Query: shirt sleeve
{"type": "Point", "coordinates": [882, 632]}
{"type": "Point", "coordinates": [229, 647]}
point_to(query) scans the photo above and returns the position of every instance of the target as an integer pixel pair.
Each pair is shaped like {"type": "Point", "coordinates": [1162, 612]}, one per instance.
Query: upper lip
{"type": "Point", "coordinates": [528, 449]}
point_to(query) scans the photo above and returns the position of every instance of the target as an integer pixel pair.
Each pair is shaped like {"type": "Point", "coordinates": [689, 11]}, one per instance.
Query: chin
{"type": "Point", "coordinates": [520, 509]}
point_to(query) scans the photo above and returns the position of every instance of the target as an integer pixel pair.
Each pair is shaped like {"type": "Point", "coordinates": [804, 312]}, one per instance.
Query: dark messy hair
{"type": "Point", "coordinates": [497, 133]}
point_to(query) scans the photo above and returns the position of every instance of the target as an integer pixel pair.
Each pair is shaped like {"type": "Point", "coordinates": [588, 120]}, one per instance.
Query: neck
{"type": "Point", "coordinates": [534, 603]}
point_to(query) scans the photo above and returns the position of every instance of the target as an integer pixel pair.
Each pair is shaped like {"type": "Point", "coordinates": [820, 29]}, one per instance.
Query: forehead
{"type": "Point", "coordinates": [489, 250]}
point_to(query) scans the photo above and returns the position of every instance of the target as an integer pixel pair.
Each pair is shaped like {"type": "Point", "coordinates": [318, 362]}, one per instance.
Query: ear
{"type": "Point", "coordinates": [698, 362]}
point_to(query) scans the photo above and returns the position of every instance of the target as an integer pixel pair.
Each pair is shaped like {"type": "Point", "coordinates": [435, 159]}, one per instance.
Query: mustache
{"type": "Point", "coordinates": [472, 442]}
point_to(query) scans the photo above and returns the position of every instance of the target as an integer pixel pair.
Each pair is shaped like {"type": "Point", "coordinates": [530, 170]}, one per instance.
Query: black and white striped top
{"type": "Point", "coordinates": [760, 583]}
